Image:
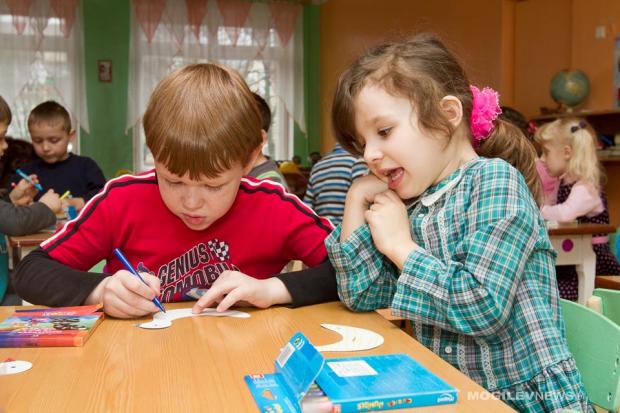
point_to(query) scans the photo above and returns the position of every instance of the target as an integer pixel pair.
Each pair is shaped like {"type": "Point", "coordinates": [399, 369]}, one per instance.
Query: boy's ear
{"type": "Point", "coordinates": [72, 134]}
{"type": "Point", "coordinates": [252, 159]}
{"type": "Point", "coordinates": [263, 135]}
{"type": "Point", "coordinates": [453, 109]}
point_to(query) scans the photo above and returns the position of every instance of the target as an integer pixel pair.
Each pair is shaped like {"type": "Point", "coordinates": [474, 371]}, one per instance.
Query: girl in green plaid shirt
{"type": "Point", "coordinates": [446, 238]}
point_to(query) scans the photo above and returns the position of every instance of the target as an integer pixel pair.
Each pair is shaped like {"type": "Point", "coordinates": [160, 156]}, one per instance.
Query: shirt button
{"type": "Point", "coordinates": [448, 350]}
{"type": "Point", "coordinates": [420, 215]}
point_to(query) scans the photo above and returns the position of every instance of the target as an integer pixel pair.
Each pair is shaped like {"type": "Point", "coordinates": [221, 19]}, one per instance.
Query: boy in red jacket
{"type": "Point", "coordinates": [192, 224]}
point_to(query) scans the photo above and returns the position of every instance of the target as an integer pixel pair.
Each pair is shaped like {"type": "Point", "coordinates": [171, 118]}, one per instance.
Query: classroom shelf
{"type": "Point", "coordinates": [604, 121]}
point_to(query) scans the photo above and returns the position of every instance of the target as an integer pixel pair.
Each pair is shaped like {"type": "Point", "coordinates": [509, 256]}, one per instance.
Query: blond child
{"type": "Point", "coordinates": [569, 153]}
{"type": "Point", "coordinates": [194, 223]}
{"type": "Point", "coordinates": [51, 133]}
{"type": "Point", "coordinates": [450, 240]}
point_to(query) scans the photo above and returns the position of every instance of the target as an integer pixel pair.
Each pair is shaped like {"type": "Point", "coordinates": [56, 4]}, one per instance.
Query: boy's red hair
{"type": "Point", "coordinates": [201, 119]}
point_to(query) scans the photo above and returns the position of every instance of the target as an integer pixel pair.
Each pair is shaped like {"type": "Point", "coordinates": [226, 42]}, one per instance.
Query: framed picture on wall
{"type": "Point", "coordinates": [104, 69]}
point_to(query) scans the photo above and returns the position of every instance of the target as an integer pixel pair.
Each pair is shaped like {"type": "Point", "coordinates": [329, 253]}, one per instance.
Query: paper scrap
{"type": "Point", "coordinates": [353, 339]}
{"type": "Point", "coordinates": [11, 366]}
{"type": "Point", "coordinates": [164, 320]}
{"type": "Point", "coordinates": [552, 224]}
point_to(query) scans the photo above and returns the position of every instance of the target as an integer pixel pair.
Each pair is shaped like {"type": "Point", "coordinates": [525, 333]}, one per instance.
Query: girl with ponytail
{"type": "Point", "coordinates": [447, 238]}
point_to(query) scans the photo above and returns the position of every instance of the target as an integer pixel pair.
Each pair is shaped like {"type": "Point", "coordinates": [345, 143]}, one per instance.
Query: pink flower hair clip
{"type": "Point", "coordinates": [484, 111]}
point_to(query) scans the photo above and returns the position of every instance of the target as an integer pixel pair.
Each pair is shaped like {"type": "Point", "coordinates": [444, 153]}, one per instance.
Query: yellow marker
{"type": "Point", "coordinates": [66, 194]}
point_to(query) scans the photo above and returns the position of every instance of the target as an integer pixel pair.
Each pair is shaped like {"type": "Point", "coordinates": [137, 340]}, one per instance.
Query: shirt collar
{"type": "Point", "coordinates": [338, 148]}
{"type": "Point", "coordinates": [435, 192]}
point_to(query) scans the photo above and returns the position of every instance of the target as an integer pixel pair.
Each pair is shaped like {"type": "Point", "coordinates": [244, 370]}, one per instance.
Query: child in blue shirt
{"type": "Point", "coordinates": [330, 179]}
{"type": "Point", "coordinates": [450, 240]}
{"type": "Point", "coordinates": [18, 214]}
{"type": "Point", "coordinates": [50, 130]}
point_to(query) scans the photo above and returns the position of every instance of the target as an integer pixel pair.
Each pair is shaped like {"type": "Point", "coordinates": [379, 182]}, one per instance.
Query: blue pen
{"type": "Point", "coordinates": [27, 178]}
{"type": "Point", "coordinates": [127, 265]}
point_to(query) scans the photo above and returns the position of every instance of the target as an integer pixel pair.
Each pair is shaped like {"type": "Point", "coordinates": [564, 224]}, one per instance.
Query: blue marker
{"type": "Point", "coordinates": [129, 268]}
{"type": "Point", "coordinates": [27, 178]}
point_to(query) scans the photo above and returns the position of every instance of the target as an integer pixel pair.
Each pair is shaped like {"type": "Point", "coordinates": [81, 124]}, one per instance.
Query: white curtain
{"type": "Point", "coordinates": [42, 58]}
{"type": "Point", "coordinates": [263, 41]}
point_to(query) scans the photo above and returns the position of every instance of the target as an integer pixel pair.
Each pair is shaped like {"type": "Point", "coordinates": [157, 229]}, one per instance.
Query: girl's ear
{"type": "Point", "coordinates": [453, 109]}
{"type": "Point", "coordinates": [568, 152]}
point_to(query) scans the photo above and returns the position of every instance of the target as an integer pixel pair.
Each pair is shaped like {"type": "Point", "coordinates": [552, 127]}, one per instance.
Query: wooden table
{"type": "Point", "coordinates": [573, 243]}
{"type": "Point", "coordinates": [23, 244]}
{"type": "Point", "coordinates": [611, 282]}
{"type": "Point", "coordinates": [198, 364]}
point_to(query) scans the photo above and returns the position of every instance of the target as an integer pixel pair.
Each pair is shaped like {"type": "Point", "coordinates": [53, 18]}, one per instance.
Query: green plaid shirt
{"type": "Point", "coordinates": [481, 289]}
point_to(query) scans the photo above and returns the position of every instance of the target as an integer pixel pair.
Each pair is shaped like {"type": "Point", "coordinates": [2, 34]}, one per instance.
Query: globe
{"type": "Point", "coordinates": [570, 87]}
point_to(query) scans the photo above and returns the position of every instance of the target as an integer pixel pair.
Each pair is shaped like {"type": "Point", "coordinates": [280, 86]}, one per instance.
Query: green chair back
{"type": "Point", "coordinates": [594, 341]}
{"type": "Point", "coordinates": [610, 303]}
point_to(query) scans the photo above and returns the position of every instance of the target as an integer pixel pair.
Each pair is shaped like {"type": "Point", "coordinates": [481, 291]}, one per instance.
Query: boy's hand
{"type": "Point", "coordinates": [23, 193]}
{"type": "Point", "coordinates": [78, 203]}
{"type": "Point", "coordinates": [234, 287]}
{"type": "Point", "coordinates": [389, 226]}
{"type": "Point", "coordinates": [123, 295]}
{"type": "Point", "coordinates": [52, 200]}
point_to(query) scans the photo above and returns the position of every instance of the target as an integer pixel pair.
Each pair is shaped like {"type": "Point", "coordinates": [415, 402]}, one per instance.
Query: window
{"type": "Point", "coordinates": [272, 68]}
{"type": "Point", "coordinates": [41, 59]}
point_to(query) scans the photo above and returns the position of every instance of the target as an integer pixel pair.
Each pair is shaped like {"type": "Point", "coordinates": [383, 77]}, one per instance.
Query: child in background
{"type": "Point", "coordinates": [330, 179]}
{"type": "Point", "coordinates": [265, 168]}
{"type": "Point", "coordinates": [569, 153]}
{"type": "Point", "coordinates": [548, 184]}
{"type": "Point", "coordinates": [50, 130]}
{"type": "Point", "coordinates": [192, 223]}
{"type": "Point", "coordinates": [18, 214]}
{"type": "Point", "coordinates": [18, 153]}
{"type": "Point", "coordinates": [450, 240]}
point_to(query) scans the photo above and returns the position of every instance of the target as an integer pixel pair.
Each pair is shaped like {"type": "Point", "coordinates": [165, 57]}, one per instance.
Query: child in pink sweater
{"type": "Point", "coordinates": [569, 152]}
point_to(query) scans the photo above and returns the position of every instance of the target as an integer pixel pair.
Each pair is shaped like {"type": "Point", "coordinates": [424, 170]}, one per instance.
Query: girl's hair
{"type": "Point", "coordinates": [423, 70]}
{"type": "Point", "coordinates": [516, 118]}
{"type": "Point", "coordinates": [509, 143]}
{"type": "Point", "coordinates": [580, 136]}
{"type": "Point", "coordinates": [5, 112]}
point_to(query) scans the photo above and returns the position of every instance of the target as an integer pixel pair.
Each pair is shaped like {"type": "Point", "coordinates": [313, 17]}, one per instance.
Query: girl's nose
{"type": "Point", "coordinates": [372, 154]}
